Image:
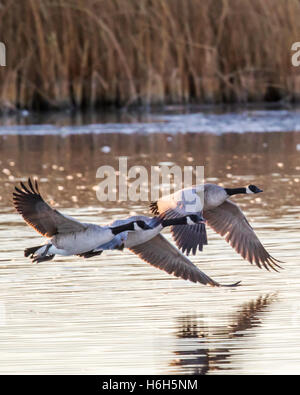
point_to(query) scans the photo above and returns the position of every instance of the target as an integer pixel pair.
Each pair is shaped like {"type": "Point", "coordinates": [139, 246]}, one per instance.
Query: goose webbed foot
{"type": "Point", "coordinates": [89, 254]}
{"type": "Point", "coordinates": [39, 259]}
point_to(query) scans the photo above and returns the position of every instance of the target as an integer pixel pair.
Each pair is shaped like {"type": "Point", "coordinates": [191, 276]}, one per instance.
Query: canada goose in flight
{"type": "Point", "coordinates": [156, 250]}
{"type": "Point", "coordinates": [221, 214]}
{"type": "Point", "coordinates": [71, 237]}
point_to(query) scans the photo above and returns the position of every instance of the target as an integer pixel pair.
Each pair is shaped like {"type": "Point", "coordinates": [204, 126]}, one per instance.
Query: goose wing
{"type": "Point", "coordinates": [38, 214]}
{"type": "Point", "coordinates": [229, 221]}
{"type": "Point", "coordinates": [163, 255]}
{"type": "Point", "coordinates": [187, 237]}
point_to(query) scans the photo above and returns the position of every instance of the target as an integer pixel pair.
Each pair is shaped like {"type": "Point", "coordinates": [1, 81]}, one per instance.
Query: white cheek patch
{"type": "Point", "coordinates": [136, 227]}
{"type": "Point", "coordinates": [248, 190]}
{"type": "Point", "coordinates": [189, 221]}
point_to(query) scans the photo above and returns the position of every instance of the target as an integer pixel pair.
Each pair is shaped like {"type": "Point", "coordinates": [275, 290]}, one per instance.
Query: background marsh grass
{"type": "Point", "coordinates": [87, 53]}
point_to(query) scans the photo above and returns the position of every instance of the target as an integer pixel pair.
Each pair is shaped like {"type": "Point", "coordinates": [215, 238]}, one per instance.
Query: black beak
{"type": "Point", "coordinates": [259, 190]}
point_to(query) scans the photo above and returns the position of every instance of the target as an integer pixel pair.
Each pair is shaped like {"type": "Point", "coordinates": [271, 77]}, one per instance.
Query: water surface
{"type": "Point", "coordinates": [116, 314]}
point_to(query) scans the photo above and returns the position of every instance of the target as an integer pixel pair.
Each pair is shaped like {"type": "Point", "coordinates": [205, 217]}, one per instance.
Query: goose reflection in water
{"type": "Point", "coordinates": [209, 347]}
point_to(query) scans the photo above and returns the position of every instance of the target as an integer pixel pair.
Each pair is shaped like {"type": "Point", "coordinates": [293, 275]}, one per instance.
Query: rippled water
{"type": "Point", "coordinates": [115, 313]}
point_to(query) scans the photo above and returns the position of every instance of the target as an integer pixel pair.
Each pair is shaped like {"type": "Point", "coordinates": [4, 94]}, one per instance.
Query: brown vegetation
{"type": "Point", "coordinates": [86, 53]}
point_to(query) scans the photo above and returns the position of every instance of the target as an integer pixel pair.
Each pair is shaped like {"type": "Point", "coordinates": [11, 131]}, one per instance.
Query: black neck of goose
{"type": "Point", "coordinates": [122, 228]}
{"type": "Point", "coordinates": [235, 191]}
{"type": "Point", "coordinates": [174, 221]}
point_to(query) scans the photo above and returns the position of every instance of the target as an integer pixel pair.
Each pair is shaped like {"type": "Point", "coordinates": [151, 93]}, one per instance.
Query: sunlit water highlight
{"type": "Point", "coordinates": [115, 313]}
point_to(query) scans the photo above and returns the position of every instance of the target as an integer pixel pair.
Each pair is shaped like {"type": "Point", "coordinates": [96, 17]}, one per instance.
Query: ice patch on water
{"type": "Point", "coordinates": [240, 122]}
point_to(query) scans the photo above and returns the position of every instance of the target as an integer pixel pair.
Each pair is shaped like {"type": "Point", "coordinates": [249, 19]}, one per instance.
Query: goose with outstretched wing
{"type": "Point", "coordinates": [221, 214]}
{"type": "Point", "coordinates": [71, 237]}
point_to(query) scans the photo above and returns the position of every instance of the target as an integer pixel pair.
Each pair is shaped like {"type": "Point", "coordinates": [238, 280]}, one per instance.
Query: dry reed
{"type": "Point", "coordinates": [88, 53]}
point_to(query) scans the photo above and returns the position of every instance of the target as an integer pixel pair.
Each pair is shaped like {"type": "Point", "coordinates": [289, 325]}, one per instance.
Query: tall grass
{"type": "Point", "coordinates": [87, 53]}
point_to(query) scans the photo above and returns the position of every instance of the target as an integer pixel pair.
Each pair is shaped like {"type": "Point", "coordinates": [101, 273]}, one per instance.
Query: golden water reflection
{"type": "Point", "coordinates": [115, 314]}
{"type": "Point", "coordinates": [212, 349]}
